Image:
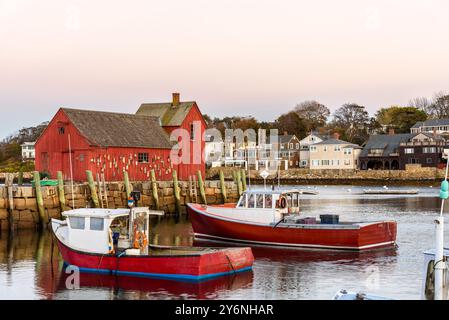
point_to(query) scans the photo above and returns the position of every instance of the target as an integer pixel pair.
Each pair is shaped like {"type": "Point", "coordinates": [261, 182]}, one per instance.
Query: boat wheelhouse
{"type": "Point", "coordinates": [116, 241]}
{"type": "Point", "coordinates": [273, 218]}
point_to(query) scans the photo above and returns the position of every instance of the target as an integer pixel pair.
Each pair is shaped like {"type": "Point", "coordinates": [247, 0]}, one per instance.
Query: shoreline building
{"type": "Point", "coordinates": [109, 143]}
{"type": "Point", "coordinates": [334, 154]}
{"type": "Point", "coordinates": [28, 151]}
{"type": "Point", "coordinates": [394, 151]}
{"type": "Point", "coordinates": [435, 126]}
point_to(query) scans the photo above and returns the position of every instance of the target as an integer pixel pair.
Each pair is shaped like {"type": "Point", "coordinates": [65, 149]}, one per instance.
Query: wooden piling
{"type": "Point", "coordinates": [223, 187]}
{"type": "Point", "coordinates": [243, 175]}
{"type": "Point", "coordinates": [9, 181]}
{"type": "Point", "coordinates": [127, 184]}
{"type": "Point", "coordinates": [239, 183]}
{"type": "Point", "coordinates": [176, 192]}
{"type": "Point", "coordinates": [201, 186]}
{"type": "Point", "coordinates": [93, 188]}
{"type": "Point", "coordinates": [61, 194]}
{"type": "Point", "coordinates": [154, 189]}
{"type": "Point", "coordinates": [20, 177]}
{"type": "Point", "coordinates": [43, 219]}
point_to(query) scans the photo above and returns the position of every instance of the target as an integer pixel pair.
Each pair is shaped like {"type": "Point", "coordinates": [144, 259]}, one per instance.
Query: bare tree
{"type": "Point", "coordinates": [440, 105]}
{"type": "Point", "coordinates": [422, 103]}
{"type": "Point", "coordinates": [313, 113]}
{"type": "Point", "coordinates": [354, 119]}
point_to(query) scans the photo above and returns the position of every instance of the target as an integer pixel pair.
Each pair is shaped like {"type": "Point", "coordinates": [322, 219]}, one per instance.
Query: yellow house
{"type": "Point", "coordinates": [334, 154]}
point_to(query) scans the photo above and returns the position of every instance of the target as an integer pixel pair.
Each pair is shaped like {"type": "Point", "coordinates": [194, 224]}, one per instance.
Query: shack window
{"type": "Point", "coordinates": [61, 130]}
{"type": "Point", "coordinates": [143, 157]}
{"type": "Point", "coordinates": [97, 224]}
{"type": "Point", "coordinates": [77, 223]}
{"type": "Point", "coordinates": [259, 203]}
{"type": "Point", "coordinates": [192, 131]}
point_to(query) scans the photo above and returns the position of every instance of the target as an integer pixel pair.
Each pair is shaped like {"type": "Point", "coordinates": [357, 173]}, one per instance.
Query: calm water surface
{"type": "Point", "coordinates": [30, 266]}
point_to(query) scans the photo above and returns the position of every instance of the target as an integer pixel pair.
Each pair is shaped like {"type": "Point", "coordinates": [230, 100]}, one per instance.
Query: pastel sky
{"type": "Point", "coordinates": [245, 57]}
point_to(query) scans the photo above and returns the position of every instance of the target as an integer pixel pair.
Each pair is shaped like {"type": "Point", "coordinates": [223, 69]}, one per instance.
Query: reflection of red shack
{"type": "Point", "coordinates": [110, 143]}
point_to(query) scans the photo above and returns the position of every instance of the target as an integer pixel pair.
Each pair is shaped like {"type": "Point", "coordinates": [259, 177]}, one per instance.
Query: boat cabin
{"type": "Point", "coordinates": [286, 201]}
{"type": "Point", "coordinates": [107, 230]}
{"type": "Point", "coordinates": [262, 206]}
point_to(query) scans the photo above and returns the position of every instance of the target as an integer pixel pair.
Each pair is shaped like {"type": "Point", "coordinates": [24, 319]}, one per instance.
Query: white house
{"type": "Point", "coordinates": [334, 154]}
{"type": "Point", "coordinates": [28, 151]}
{"type": "Point", "coordinates": [304, 154]}
{"type": "Point", "coordinates": [437, 126]}
{"type": "Point", "coordinates": [214, 152]}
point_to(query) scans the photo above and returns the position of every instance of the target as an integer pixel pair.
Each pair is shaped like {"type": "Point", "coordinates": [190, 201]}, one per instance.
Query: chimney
{"type": "Point", "coordinates": [285, 133]}
{"type": "Point", "coordinates": [175, 101]}
{"type": "Point", "coordinates": [336, 135]}
{"type": "Point", "coordinates": [391, 131]}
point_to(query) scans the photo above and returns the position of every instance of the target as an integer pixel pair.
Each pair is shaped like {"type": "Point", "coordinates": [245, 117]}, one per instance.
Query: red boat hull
{"type": "Point", "coordinates": [366, 236]}
{"type": "Point", "coordinates": [171, 266]}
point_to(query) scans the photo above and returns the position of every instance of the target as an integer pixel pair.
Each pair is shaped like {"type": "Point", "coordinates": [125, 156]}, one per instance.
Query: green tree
{"type": "Point", "coordinates": [401, 119]}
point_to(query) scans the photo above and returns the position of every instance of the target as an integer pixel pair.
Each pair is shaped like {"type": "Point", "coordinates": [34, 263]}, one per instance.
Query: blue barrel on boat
{"type": "Point", "coordinates": [329, 218]}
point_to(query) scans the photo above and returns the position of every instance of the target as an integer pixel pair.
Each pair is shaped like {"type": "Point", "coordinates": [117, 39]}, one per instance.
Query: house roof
{"type": "Point", "coordinates": [430, 135]}
{"type": "Point", "coordinates": [286, 138]}
{"type": "Point", "coordinates": [336, 141]}
{"type": "Point", "coordinates": [108, 129]}
{"type": "Point", "coordinates": [169, 114]}
{"type": "Point", "coordinates": [432, 122]}
{"type": "Point", "coordinates": [388, 142]}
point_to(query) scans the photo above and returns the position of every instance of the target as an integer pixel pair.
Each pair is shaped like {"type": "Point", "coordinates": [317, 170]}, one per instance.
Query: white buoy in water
{"type": "Point", "coordinates": [385, 187]}
{"type": "Point", "coordinates": [349, 190]}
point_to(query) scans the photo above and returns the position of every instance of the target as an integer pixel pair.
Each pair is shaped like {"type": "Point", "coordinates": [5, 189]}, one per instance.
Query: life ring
{"type": "Point", "coordinates": [283, 202]}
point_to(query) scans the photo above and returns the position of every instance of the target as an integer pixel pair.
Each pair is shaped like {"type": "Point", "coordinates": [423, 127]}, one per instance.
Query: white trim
{"type": "Point", "coordinates": [280, 244]}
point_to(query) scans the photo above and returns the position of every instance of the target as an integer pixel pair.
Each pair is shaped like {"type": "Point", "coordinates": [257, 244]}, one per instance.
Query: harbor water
{"type": "Point", "coordinates": [31, 268]}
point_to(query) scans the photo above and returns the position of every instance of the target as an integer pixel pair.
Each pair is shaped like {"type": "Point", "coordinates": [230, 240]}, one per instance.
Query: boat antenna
{"type": "Point", "coordinates": [71, 172]}
{"type": "Point", "coordinates": [439, 264]}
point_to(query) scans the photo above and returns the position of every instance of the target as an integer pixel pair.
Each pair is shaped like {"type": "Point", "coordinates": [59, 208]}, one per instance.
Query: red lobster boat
{"type": "Point", "coordinates": [271, 218]}
{"type": "Point", "coordinates": [116, 242]}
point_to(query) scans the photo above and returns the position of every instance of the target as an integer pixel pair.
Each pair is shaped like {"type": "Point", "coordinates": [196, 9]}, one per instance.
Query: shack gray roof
{"type": "Point", "coordinates": [388, 142]}
{"type": "Point", "coordinates": [432, 123]}
{"type": "Point", "coordinates": [170, 115]}
{"type": "Point", "coordinates": [108, 129]}
{"type": "Point", "coordinates": [336, 141]}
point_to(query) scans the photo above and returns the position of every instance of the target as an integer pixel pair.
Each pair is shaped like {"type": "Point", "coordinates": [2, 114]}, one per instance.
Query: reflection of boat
{"type": "Point", "coordinates": [390, 191]}
{"type": "Point", "coordinates": [271, 218]}
{"type": "Point", "coordinates": [282, 255]}
{"type": "Point", "coordinates": [191, 289]}
{"type": "Point", "coordinates": [85, 239]}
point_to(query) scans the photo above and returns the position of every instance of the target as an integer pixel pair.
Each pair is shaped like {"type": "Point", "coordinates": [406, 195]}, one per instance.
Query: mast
{"type": "Point", "coordinates": [71, 172]}
{"type": "Point", "coordinates": [439, 263]}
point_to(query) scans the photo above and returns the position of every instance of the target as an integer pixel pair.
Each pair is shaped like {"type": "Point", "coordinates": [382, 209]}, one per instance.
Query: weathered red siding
{"type": "Point", "coordinates": [186, 170]}
{"type": "Point", "coordinates": [52, 155]}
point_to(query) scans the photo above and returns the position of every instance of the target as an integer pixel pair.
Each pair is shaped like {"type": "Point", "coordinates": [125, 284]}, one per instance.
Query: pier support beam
{"type": "Point", "coordinates": [176, 192]}
{"type": "Point", "coordinates": [154, 189]}
{"type": "Point", "coordinates": [43, 219]}
{"type": "Point", "coordinates": [223, 187]}
{"type": "Point", "coordinates": [93, 188]}
{"type": "Point", "coordinates": [201, 186]}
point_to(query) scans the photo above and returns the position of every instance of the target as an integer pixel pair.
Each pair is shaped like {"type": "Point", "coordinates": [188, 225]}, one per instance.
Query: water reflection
{"type": "Point", "coordinates": [31, 268]}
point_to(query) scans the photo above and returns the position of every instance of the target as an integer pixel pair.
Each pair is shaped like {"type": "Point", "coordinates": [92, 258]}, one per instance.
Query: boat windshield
{"type": "Point", "coordinates": [256, 200]}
